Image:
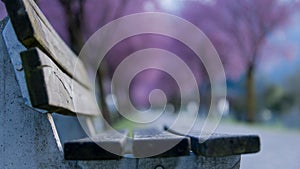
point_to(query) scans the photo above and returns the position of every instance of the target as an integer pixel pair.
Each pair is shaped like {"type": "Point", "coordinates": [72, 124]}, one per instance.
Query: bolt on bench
{"type": "Point", "coordinates": [41, 97]}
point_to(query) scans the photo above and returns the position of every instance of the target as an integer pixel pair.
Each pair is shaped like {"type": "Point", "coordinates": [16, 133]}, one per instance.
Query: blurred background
{"type": "Point", "coordinates": [258, 42]}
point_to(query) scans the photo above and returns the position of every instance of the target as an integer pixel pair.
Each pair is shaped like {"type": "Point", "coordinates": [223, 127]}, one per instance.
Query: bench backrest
{"type": "Point", "coordinates": [49, 64]}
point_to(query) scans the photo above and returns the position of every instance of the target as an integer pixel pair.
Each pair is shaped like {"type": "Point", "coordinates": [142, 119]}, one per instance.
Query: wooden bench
{"type": "Point", "coordinates": [41, 97]}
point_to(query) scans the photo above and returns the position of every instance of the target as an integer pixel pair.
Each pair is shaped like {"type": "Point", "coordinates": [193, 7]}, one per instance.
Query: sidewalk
{"type": "Point", "coordinates": [280, 148]}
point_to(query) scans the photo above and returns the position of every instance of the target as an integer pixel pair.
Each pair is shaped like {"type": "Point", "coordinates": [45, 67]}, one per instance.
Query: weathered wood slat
{"type": "Point", "coordinates": [219, 145]}
{"type": "Point", "coordinates": [51, 89]}
{"type": "Point", "coordinates": [34, 30]}
{"type": "Point", "coordinates": [108, 145]}
{"type": "Point", "coordinates": [157, 143]}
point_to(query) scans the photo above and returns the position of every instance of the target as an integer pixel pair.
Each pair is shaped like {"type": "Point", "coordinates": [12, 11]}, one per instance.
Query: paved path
{"type": "Point", "coordinates": [280, 148]}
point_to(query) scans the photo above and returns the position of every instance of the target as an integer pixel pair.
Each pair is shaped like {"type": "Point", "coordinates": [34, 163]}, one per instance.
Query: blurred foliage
{"type": "Point", "coordinates": [278, 100]}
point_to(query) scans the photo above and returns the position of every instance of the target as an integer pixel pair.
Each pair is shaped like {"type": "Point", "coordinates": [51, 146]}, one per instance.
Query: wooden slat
{"type": "Point", "coordinates": [51, 89]}
{"type": "Point", "coordinates": [157, 143]}
{"type": "Point", "coordinates": [218, 145]}
{"type": "Point", "coordinates": [108, 145]}
{"type": "Point", "coordinates": [34, 30]}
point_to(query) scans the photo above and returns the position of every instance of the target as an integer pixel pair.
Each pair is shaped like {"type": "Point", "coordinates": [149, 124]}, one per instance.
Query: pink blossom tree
{"type": "Point", "coordinates": [2, 11]}
{"type": "Point", "coordinates": [239, 31]}
{"type": "Point", "coordinates": [77, 20]}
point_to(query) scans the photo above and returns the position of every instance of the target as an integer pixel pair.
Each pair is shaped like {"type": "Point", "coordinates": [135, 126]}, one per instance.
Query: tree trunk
{"type": "Point", "coordinates": [76, 22]}
{"type": "Point", "coordinates": [250, 98]}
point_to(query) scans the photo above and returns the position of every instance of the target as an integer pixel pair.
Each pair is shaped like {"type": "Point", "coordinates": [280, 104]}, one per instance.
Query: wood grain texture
{"type": "Point", "coordinates": [219, 145]}
{"type": "Point", "coordinates": [156, 143]}
{"type": "Point", "coordinates": [34, 30]}
{"type": "Point", "coordinates": [51, 89]}
{"type": "Point", "coordinates": [108, 145]}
